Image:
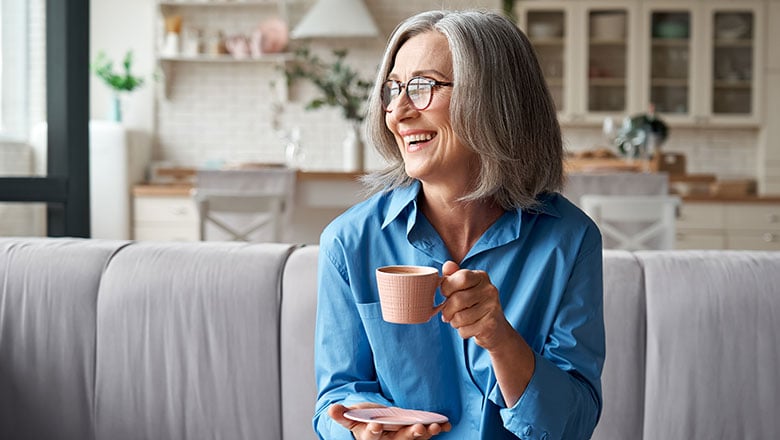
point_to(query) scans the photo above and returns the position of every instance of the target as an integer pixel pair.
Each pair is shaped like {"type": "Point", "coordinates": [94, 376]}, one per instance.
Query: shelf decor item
{"type": "Point", "coordinates": [124, 81]}
{"type": "Point", "coordinates": [339, 86]}
{"type": "Point", "coordinates": [641, 135]}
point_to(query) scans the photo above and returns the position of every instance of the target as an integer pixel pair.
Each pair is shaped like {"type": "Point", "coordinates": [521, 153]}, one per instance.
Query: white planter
{"type": "Point", "coordinates": [353, 149]}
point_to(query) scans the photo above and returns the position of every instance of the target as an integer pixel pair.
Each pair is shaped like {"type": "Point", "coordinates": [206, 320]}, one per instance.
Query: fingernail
{"type": "Point", "coordinates": [376, 432]}
{"type": "Point", "coordinates": [417, 434]}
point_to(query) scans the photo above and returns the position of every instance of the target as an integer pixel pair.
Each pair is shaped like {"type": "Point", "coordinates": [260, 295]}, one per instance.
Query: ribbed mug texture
{"type": "Point", "coordinates": [406, 293]}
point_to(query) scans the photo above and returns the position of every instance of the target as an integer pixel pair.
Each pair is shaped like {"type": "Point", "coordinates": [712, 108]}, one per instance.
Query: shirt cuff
{"type": "Point", "coordinates": [538, 413]}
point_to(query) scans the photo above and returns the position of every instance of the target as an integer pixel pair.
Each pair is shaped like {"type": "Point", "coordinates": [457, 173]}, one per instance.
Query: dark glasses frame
{"type": "Point", "coordinates": [416, 82]}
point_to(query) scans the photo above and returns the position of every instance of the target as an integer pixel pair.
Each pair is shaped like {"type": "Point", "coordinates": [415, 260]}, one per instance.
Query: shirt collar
{"type": "Point", "coordinates": [402, 197]}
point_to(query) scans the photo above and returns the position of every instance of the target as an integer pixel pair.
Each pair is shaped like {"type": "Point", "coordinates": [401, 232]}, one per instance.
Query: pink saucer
{"type": "Point", "coordinates": [394, 416]}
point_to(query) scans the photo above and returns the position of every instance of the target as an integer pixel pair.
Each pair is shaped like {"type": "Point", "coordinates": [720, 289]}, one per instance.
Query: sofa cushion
{"type": "Point", "coordinates": [48, 294]}
{"type": "Point", "coordinates": [624, 322]}
{"type": "Point", "coordinates": [713, 345]}
{"type": "Point", "coordinates": [299, 313]}
{"type": "Point", "coordinates": [188, 343]}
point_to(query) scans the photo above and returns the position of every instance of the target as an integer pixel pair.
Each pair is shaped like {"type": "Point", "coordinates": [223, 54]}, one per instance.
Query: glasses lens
{"type": "Point", "coordinates": [419, 91]}
{"type": "Point", "coordinates": [390, 89]}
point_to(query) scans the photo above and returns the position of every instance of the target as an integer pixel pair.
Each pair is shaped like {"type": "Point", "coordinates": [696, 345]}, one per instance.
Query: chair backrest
{"type": "Point", "coordinates": [244, 205]}
{"type": "Point", "coordinates": [634, 222]}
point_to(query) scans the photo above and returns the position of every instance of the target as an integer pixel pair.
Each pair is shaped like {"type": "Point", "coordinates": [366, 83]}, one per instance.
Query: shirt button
{"type": "Point", "coordinates": [527, 430]}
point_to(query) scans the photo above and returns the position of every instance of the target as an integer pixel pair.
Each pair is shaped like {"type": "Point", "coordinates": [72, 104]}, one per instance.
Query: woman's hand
{"type": "Point", "coordinates": [375, 431]}
{"type": "Point", "coordinates": [473, 306]}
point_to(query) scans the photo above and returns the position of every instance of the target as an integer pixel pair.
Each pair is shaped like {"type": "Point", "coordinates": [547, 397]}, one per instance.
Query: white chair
{"type": "Point", "coordinates": [266, 211]}
{"type": "Point", "coordinates": [244, 205]}
{"type": "Point", "coordinates": [634, 222]}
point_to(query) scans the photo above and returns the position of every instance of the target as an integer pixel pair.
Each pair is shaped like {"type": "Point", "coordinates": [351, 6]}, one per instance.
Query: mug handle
{"type": "Point", "coordinates": [436, 309]}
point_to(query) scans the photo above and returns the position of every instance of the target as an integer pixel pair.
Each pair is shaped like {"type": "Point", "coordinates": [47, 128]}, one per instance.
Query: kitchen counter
{"type": "Point", "coordinates": [183, 189]}
{"type": "Point", "coordinates": [768, 199]}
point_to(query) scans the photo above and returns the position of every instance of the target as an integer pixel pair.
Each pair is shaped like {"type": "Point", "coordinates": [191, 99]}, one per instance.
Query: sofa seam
{"type": "Point", "coordinates": [108, 261]}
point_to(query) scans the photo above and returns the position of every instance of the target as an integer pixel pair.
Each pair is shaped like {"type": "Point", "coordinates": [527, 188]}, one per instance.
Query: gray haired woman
{"type": "Point", "coordinates": [462, 115]}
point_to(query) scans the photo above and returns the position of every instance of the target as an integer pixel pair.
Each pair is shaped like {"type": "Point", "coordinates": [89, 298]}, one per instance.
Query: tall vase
{"type": "Point", "coordinates": [115, 112]}
{"type": "Point", "coordinates": [353, 149]}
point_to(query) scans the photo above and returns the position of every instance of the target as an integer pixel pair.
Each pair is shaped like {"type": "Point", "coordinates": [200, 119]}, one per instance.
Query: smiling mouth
{"type": "Point", "coordinates": [418, 138]}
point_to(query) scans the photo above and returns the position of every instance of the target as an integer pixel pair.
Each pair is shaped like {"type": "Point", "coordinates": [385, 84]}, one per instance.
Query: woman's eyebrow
{"type": "Point", "coordinates": [425, 72]}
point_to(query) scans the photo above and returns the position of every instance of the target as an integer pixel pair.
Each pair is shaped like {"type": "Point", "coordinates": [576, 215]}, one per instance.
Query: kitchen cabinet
{"type": "Point", "coordinates": [702, 61]}
{"type": "Point", "coordinates": [729, 225]}
{"type": "Point", "coordinates": [204, 27]}
{"type": "Point", "coordinates": [697, 62]}
{"type": "Point", "coordinates": [588, 55]}
{"type": "Point", "coordinates": [164, 215]}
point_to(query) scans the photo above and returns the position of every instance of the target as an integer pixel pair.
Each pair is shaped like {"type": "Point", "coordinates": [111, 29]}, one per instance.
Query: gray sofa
{"type": "Point", "coordinates": [124, 340]}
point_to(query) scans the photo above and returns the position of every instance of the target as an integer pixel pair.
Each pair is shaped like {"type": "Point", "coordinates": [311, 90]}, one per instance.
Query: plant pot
{"type": "Point", "coordinates": [115, 111]}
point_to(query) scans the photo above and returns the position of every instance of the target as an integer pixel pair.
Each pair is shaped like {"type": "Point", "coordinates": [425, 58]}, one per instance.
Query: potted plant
{"type": "Point", "coordinates": [340, 86]}
{"type": "Point", "coordinates": [123, 81]}
{"type": "Point", "coordinates": [641, 135]}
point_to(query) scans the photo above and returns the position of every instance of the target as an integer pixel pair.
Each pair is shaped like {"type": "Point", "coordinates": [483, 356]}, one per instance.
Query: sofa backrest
{"type": "Point", "coordinates": [119, 340]}
{"type": "Point", "coordinates": [187, 342]}
{"type": "Point", "coordinates": [624, 322]}
{"type": "Point", "coordinates": [48, 296]}
{"type": "Point", "coordinates": [713, 344]}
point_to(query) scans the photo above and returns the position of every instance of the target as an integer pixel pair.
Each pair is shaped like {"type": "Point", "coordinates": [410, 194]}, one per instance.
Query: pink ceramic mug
{"type": "Point", "coordinates": [406, 293]}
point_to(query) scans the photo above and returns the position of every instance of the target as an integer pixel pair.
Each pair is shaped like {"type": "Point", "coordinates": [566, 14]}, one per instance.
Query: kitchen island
{"type": "Point", "coordinates": [166, 211]}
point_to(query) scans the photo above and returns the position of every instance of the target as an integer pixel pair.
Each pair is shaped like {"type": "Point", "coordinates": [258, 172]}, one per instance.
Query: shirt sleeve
{"type": "Point", "coordinates": [343, 361]}
{"type": "Point", "coordinates": [563, 398]}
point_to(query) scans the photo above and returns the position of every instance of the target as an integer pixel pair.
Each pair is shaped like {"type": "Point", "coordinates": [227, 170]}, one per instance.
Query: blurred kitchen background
{"type": "Point", "coordinates": [708, 69]}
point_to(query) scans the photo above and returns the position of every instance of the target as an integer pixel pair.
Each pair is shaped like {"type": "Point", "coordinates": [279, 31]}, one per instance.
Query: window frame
{"type": "Point", "coordinates": [65, 188]}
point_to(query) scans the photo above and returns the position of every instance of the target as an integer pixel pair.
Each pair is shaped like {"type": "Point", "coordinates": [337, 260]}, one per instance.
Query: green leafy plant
{"type": "Point", "coordinates": [635, 133]}
{"type": "Point", "coordinates": [124, 81]}
{"type": "Point", "coordinates": [340, 85]}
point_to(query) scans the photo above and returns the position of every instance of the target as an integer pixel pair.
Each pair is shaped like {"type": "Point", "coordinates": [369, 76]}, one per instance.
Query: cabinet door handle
{"type": "Point", "coordinates": [768, 237]}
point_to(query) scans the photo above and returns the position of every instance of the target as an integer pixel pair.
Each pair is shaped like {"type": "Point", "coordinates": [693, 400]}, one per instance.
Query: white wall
{"type": "Point", "coordinates": [117, 26]}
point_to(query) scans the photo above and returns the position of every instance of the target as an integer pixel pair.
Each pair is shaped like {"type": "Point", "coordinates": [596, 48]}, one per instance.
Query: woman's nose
{"type": "Point", "coordinates": [401, 106]}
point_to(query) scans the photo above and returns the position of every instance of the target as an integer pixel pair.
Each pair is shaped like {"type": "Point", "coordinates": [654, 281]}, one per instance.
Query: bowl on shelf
{"type": "Point", "coordinates": [545, 29]}
{"type": "Point", "coordinates": [731, 27]}
{"type": "Point", "coordinates": [670, 29]}
{"type": "Point", "coordinates": [608, 26]}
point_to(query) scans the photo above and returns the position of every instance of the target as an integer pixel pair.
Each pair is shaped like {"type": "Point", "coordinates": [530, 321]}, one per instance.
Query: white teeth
{"type": "Point", "coordinates": [418, 138]}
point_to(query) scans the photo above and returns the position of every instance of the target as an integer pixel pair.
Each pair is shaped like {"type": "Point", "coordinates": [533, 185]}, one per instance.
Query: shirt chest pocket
{"type": "Point", "coordinates": [415, 363]}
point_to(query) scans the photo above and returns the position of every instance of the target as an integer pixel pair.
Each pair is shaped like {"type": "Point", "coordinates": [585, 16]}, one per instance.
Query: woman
{"type": "Point", "coordinates": [462, 114]}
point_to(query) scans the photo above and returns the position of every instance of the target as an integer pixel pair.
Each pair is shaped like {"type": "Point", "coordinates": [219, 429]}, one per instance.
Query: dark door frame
{"type": "Point", "coordinates": [65, 188]}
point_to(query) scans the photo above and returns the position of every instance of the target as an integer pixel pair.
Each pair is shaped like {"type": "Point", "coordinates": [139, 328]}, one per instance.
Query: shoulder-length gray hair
{"type": "Point", "coordinates": [500, 108]}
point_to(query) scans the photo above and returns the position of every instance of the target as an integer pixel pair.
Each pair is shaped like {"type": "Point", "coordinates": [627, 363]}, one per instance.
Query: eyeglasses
{"type": "Point", "coordinates": [419, 90]}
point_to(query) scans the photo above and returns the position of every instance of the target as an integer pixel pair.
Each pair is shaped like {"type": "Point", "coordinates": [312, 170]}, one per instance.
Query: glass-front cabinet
{"type": "Point", "coordinates": [695, 62]}
{"type": "Point", "coordinates": [548, 26]}
{"type": "Point", "coordinates": [585, 53]}
{"type": "Point", "coordinates": [670, 63]}
{"type": "Point", "coordinates": [734, 61]}
{"type": "Point", "coordinates": [702, 61]}
{"type": "Point", "coordinates": [608, 60]}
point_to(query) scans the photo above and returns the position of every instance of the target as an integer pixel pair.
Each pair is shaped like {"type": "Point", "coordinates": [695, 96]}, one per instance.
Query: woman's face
{"type": "Point", "coordinates": [431, 151]}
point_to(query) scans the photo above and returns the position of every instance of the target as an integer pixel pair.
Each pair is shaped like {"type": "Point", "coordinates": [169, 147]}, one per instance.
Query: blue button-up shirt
{"type": "Point", "coordinates": [546, 264]}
